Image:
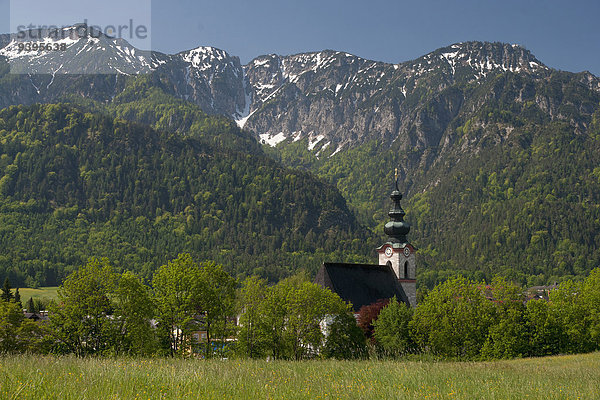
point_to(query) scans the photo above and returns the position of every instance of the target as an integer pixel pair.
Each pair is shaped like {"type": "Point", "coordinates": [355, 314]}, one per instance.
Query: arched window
{"type": "Point", "coordinates": [406, 270]}
{"type": "Point", "coordinates": [389, 264]}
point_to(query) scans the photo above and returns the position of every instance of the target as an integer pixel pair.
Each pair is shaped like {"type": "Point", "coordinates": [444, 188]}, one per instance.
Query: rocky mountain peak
{"type": "Point", "coordinates": [209, 77]}
{"type": "Point", "coordinates": [326, 72]}
{"type": "Point", "coordinates": [77, 49]}
{"type": "Point", "coordinates": [205, 58]}
{"type": "Point", "coordinates": [334, 100]}
{"type": "Point", "coordinates": [480, 57]}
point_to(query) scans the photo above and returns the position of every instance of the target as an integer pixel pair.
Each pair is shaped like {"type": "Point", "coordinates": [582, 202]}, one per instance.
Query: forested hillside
{"type": "Point", "coordinates": [513, 188]}
{"type": "Point", "coordinates": [75, 184]}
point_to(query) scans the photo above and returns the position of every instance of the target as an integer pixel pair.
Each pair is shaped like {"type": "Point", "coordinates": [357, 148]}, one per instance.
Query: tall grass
{"type": "Point", "coordinates": [31, 377]}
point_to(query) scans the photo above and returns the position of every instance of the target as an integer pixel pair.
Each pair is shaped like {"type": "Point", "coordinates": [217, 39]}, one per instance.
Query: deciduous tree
{"type": "Point", "coordinates": [509, 335]}
{"type": "Point", "coordinates": [215, 302]}
{"type": "Point", "coordinates": [250, 340]}
{"type": "Point", "coordinates": [454, 320]}
{"type": "Point", "coordinates": [391, 328]}
{"type": "Point", "coordinates": [546, 336]}
{"type": "Point", "coordinates": [176, 290]}
{"type": "Point", "coordinates": [308, 306]}
{"type": "Point", "coordinates": [591, 300]}
{"type": "Point", "coordinates": [134, 310]}
{"type": "Point", "coordinates": [83, 319]}
{"type": "Point", "coordinates": [345, 340]}
{"type": "Point", "coordinates": [567, 309]}
{"type": "Point", "coordinates": [368, 314]}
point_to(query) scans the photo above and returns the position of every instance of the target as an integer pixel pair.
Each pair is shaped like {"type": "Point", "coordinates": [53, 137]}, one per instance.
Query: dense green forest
{"type": "Point", "coordinates": [75, 184]}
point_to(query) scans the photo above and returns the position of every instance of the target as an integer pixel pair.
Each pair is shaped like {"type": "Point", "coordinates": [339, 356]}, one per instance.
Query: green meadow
{"type": "Point", "coordinates": [43, 293]}
{"type": "Point", "coordinates": [562, 377]}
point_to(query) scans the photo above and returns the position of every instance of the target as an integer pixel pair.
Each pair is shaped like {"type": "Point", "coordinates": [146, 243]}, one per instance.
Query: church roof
{"type": "Point", "coordinates": [360, 284]}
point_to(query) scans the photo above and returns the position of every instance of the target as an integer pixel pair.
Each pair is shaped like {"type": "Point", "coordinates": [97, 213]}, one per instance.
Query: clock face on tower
{"type": "Point", "coordinates": [406, 252]}
{"type": "Point", "coordinates": [388, 251]}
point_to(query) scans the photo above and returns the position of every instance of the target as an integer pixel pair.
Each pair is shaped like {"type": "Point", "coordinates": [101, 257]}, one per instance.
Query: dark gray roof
{"type": "Point", "coordinates": [360, 284]}
{"type": "Point", "coordinates": [35, 316]}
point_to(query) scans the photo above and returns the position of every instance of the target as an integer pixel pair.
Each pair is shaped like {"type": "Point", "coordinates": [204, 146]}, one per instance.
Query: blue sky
{"type": "Point", "coordinates": [563, 35]}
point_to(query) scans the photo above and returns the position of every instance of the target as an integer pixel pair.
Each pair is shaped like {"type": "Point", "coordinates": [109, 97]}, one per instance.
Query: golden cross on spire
{"type": "Point", "coordinates": [396, 175]}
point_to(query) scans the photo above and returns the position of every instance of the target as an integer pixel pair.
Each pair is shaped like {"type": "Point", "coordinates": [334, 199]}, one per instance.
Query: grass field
{"type": "Point", "coordinates": [48, 293]}
{"type": "Point", "coordinates": [29, 377]}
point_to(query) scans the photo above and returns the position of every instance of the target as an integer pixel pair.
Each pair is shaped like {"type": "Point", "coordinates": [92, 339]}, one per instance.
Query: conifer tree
{"type": "Point", "coordinates": [31, 306]}
{"type": "Point", "coordinates": [6, 294]}
{"type": "Point", "coordinates": [18, 298]}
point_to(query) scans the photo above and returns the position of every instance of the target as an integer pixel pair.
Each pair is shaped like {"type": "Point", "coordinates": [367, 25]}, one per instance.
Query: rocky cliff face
{"type": "Point", "coordinates": [208, 77]}
{"type": "Point", "coordinates": [338, 100]}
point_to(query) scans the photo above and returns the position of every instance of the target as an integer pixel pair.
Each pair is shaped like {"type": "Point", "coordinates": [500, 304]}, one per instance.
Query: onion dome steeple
{"type": "Point", "coordinates": [397, 229]}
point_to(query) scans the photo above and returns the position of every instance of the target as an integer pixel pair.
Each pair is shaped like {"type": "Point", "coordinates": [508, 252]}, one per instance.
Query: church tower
{"type": "Point", "coordinates": [397, 252]}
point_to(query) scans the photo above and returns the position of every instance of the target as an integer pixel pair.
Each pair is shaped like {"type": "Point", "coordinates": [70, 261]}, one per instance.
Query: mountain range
{"type": "Point", "coordinates": [497, 151]}
{"type": "Point", "coordinates": [331, 99]}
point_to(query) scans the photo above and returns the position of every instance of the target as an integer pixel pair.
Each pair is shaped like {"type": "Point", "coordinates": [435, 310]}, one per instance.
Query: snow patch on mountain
{"type": "Point", "coordinates": [313, 142]}
{"type": "Point", "coordinates": [272, 140]}
{"type": "Point", "coordinates": [242, 116]}
{"type": "Point", "coordinates": [337, 150]}
{"type": "Point", "coordinates": [326, 145]}
{"type": "Point", "coordinates": [297, 135]}
{"type": "Point", "coordinates": [482, 58]}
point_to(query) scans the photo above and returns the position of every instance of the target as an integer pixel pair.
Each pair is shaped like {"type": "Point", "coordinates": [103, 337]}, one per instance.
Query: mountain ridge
{"type": "Point", "coordinates": [216, 58]}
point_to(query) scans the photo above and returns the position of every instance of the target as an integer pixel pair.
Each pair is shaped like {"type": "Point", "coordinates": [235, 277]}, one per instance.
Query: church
{"type": "Point", "coordinates": [394, 275]}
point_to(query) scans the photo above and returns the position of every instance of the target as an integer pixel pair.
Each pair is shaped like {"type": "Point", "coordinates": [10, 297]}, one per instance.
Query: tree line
{"type": "Point", "coordinates": [198, 309]}
{"type": "Point", "coordinates": [102, 312]}
{"type": "Point", "coordinates": [462, 319]}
